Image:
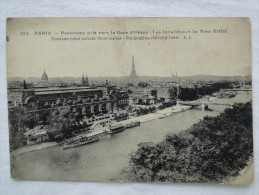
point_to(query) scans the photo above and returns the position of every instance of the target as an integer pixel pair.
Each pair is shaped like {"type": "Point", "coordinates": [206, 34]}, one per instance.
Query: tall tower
{"type": "Point", "coordinates": [83, 79]}
{"type": "Point", "coordinates": [133, 73]}
{"type": "Point", "coordinates": [86, 80]}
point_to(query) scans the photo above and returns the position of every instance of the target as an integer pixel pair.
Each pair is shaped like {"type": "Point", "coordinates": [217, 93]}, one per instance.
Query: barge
{"type": "Point", "coordinates": [116, 128]}
{"type": "Point", "coordinates": [79, 141]}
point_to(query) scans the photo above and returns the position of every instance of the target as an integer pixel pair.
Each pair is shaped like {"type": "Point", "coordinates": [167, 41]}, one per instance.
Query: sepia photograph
{"type": "Point", "coordinates": [130, 100]}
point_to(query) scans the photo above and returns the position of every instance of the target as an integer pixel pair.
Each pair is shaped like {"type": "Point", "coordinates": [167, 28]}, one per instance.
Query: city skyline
{"type": "Point", "coordinates": [168, 74]}
{"type": "Point", "coordinates": [67, 76]}
{"type": "Point", "coordinates": [54, 71]}
{"type": "Point", "coordinates": [123, 76]}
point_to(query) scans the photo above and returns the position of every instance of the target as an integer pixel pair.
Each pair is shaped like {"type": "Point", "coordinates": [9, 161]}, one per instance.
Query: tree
{"type": "Point", "coordinates": [62, 121]}
{"type": "Point", "coordinates": [140, 101]}
{"type": "Point", "coordinates": [130, 91]}
{"type": "Point", "coordinates": [19, 120]}
{"type": "Point", "coordinates": [210, 151]}
{"type": "Point", "coordinates": [188, 94]}
{"type": "Point", "coordinates": [24, 85]}
{"type": "Point", "coordinates": [143, 84]}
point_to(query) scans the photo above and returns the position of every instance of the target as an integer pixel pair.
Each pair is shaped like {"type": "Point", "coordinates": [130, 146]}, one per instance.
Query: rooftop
{"type": "Point", "coordinates": [64, 90]}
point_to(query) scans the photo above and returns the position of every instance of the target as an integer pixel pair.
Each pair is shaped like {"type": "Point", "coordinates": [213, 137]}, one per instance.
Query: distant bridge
{"type": "Point", "coordinates": [238, 89]}
{"type": "Point", "coordinates": [198, 103]}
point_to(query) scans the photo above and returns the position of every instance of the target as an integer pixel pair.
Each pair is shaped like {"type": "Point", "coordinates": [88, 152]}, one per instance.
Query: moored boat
{"type": "Point", "coordinates": [132, 124]}
{"type": "Point", "coordinates": [165, 115]}
{"type": "Point", "coordinates": [79, 141]}
{"type": "Point", "coordinates": [227, 94]}
{"type": "Point", "coordinates": [116, 128]}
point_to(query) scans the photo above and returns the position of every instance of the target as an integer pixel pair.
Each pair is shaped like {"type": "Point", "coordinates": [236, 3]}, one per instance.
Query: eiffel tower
{"type": "Point", "coordinates": [133, 74]}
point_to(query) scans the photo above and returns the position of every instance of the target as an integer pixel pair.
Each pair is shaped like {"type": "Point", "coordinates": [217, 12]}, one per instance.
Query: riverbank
{"type": "Point", "coordinates": [151, 116]}
{"type": "Point", "coordinates": [143, 119]}
{"type": "Point", "coordinates": [33, 147]}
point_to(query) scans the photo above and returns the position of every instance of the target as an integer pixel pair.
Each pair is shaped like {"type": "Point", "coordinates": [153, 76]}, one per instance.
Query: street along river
{"type": "Point", "coordinates": [104, 160]}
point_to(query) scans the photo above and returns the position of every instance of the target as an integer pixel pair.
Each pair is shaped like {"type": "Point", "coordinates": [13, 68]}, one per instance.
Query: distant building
{"type": "Point", "coordinates": [44, 77]}
{"type": "Point", "coordinates": [35, 136]}
{"type": "Point", "coordinates": [14, 97]}
{"type": "Point", "coordinates": [163, 93]}
{"type": "Point", "coordinates": [174, 75]}
{"type": "Point", "coordinates": [172, 93]}
{"type": "Point", "coordinates": [154, 93]}
{"type": "Point", "coordinates": [176, 78]}
{"type": "Point", "coordinates": [122, 99]}
{"type": "Point", "coordinates": [85, 81]}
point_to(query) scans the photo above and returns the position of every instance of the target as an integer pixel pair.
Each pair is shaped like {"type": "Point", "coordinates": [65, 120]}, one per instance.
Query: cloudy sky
{"type": "Point", "coordinates": [224, 54]}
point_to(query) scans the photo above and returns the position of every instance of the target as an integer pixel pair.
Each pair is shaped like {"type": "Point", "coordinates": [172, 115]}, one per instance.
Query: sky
{"type": "Point", "coordinates": [224, 54]}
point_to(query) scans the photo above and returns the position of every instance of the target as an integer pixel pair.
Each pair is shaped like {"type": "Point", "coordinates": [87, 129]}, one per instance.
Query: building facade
{"type": "Point", "coordinates": [86, 100]}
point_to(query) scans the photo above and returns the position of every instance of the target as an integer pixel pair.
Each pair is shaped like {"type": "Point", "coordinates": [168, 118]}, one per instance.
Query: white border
{"type": "Point", "coordinates": [110, 8]}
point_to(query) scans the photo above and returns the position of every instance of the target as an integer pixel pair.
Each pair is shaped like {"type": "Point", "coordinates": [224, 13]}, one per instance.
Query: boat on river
{"type": "Point", "coordinates": [132, 124]}
{"type": "Point", "coordinates": [165, 115]}
{"type": "Point", "coordinates": [79, 141]}
{"type": "Point", "coordinates": [227, 94]}
{"type": "Point", "coordinates": [116, 128]}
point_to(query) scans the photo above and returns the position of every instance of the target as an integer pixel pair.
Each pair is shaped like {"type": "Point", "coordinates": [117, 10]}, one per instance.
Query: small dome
{"type": "Point", "coordinates": [44, 76]}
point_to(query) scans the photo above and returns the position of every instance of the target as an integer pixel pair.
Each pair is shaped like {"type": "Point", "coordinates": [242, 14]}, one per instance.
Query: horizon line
{"type": "Point", "coordinates": [137, 76]}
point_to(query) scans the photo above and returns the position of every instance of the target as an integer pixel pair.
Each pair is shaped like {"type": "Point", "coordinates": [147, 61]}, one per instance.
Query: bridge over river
{"type": "Point", "coordinates": [239, 89]}
{"type": "Point", "coordinates": [200, 103]}
{"type": "Point", "coordinates": [205, 102]}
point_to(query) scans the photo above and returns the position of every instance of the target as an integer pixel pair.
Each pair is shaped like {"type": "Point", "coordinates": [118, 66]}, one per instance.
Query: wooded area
{"type": "Point", "coordinates": [212, 150]}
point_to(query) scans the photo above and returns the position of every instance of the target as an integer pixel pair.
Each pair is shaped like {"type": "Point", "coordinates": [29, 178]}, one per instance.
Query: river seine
{"type": "Point", "coordinates": [104, 160]}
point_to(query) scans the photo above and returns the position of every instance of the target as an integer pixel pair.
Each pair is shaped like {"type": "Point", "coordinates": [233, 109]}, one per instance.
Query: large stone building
{"type": "Point", "coordinates": [87, 100]}
{"type": "Point", "coordinates": [83, 99]}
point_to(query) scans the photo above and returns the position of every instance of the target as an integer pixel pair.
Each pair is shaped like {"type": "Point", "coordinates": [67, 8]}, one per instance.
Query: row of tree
{"type": "Point", "coordinates": [18, 121]}
{"type": "Point", "coordinates": [189, 94]}
{"type": "Point", "coordinates": [142, 111]}
{"type": "Point", "coordinates": [60, 123]}
{"type": "Point", "coordinates": [210, 151]}
{"type": "Point", "coordinates": [167, 104]}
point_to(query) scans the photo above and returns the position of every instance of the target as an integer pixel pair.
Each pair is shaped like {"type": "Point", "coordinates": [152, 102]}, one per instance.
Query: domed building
{"type": "Point", "coordinates": [44, 77]}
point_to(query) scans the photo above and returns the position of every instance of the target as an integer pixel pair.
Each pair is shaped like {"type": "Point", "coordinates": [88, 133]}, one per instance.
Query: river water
{"type": "Point", "coordinates": [104, 160]}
